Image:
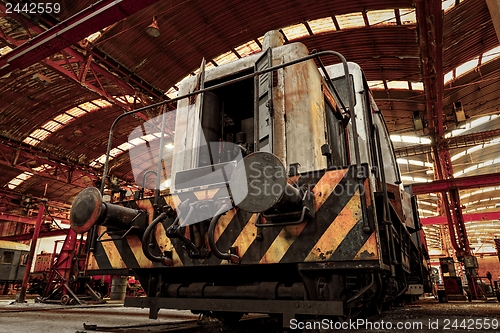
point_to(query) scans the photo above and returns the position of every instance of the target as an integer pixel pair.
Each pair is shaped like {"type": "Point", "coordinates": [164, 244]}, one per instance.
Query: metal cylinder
{"type": "Point", "coordinates": [273, 38]}
{"type": "Point", "coordinates": [118, 288]}
{"type": "Point", "coordinates": [241, 138]}
{"type": "Point", "coordinates": [88, 210]}
{"type": "Point", "coordinates": [259, 182]}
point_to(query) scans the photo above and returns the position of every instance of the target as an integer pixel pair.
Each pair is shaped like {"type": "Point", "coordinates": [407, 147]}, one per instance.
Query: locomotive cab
{"type": "Point", "coordinates": [284, 196]}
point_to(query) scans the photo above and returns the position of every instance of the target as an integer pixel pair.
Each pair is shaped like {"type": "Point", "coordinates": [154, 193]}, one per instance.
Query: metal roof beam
{"type": "Point", "coordinates": [475, 217]}
{"type": "Point", "coordinates": [462, 183]}
{"type": "Point", "coordinates": [28, 236]}
{"type": "Point", "coordinates": [462, 141]}
{"type": "Point", "coordinates": [70, 31]}
{"type": "Point", "coordinates": [16, 156]}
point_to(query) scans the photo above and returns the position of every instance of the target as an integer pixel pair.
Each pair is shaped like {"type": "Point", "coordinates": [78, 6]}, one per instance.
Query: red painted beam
{"type": "Point", "coordinates": [16, 218]}
{"type": "Point", "coordinates": [462, 183]}
{"type": "Point", "coordinates": [474, 217]}
{"type": "Point", "coordinates": [462, 141]}
{"type": "Point", "coordinates": [28, 236]}
{"type": "Point", "coordinates": [70, 31]}
{"type": "Point", "coordinates": [66, 172]}
{"type": "Point", "coordinates": [26, 219]}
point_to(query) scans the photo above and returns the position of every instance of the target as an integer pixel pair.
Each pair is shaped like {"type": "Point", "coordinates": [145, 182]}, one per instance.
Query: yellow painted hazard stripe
{"type": "Point", "coordinates": [369, 251]}
{"type": "Point", "coordinates": [112, 253]}
{"type": "Point", "coordinates": [326, 186]}
{"type": "Point", "coordinates": [337, 231]}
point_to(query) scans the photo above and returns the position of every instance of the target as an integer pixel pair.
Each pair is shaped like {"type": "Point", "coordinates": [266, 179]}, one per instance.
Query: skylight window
{"type": "Point", "coordinates": [376, 84]}
{"type": "Point", "coordinates": [40, 134]}
{"type": "Point", "coordinates": [397, 85]}
{"type": "Point", "coordinates": [248, 48]}
{"type": "Point", "coordinates": [448, 77]}
{"type": "Point", "coordinates": [410, 139]}
{"type": "Point", "coordinates": [321, 25]}
{"type": "Point", "coordinates": [350, 21]}
{"type": "Point", "coordinates": [60, 120]}
{"type": "Point", "coordinates": [466, 67]}
{"type": "Point", "coordinates": [417, 86]}
{"type": "Point", "coordinates": [414, 162]}
{"type": "Point", "coordinates": [381, 17]}
{"type": "Point", "coordinates": [427, 212]}
{"type": "Point", "coordinates": [420, 202]}
{"type": "Point", "coordinates": [415, 179]}
{"type": "Point", "coordinates": [408, 16]}
{"type": "Point", "coordinates": [483, 190]}
{"type": "Point", "coordinates": [226, 58]}
{"type": "Point", "coordinates": [295, 31]}
{"type": "Point", "coordinates": [52, 126]}
{"type": "Point", "coordinates": [491, 54]}
{"type": "Point", "coordinates": [63, 118]}
{"type": "Point", "coordinates": [477, 166]}
{"type": "Point", "coordinates": [476, 148]}
{"type": "Point", "coordinates": [470, 125]}
{"type": "Point", "coordinates": [4, 50]}
{"type": "Point", "coordinates": [76, 112]}
{"type": "Point", "coordinates": [125, 147]}
{"type": "Point", "coordinates": [15, 182]}
{"type": "Point", "coordinates": [448, 4]}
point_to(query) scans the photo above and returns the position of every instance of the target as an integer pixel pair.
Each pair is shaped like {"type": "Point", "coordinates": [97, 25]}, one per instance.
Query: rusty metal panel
{"type": "Point", "coordinates": [304, 111]}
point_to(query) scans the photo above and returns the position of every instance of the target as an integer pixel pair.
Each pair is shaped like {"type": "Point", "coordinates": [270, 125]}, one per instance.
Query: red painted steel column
{"type": "Point", "coordinates": [22, 294]}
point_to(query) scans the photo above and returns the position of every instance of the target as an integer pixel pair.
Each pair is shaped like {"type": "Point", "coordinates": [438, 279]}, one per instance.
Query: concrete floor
{"type": "Point", "coordinates": [53, 318]}
{"type": "Point", "coordinates": [427, 315]}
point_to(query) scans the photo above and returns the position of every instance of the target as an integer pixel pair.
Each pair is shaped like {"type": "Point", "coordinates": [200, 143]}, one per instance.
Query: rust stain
{"type": "Point", "coordinates": [368, 192]}
{"type": "Point", "coordinates": [165, 244]}
{"type": "Point", "coordinates": [326, 186]}
{"type": "Point", "coordinates": [136, 247]}
{"type": "Point", "coordinates": [92, 263]}
{"type": "Point", "coordinates": [146, 205]}
{"type": "Point", "coordinates": [245, 238]}
{"type": "Point", "coordinates": [336, 232]}
{"type": "Point", "coordinates": [369, 250]}
{"type": "Point", "coordinates": [282, 243]}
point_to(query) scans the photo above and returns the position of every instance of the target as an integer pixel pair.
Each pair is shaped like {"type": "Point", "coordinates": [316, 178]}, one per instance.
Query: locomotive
{"type": "Point", "coordinates": [13, 257]}
{"type": "Point", "coordinates": [276, 191]}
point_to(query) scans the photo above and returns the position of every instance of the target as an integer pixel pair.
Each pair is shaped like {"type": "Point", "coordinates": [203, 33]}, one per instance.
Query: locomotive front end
{"type": "Point", "coordinates": [269, 196]}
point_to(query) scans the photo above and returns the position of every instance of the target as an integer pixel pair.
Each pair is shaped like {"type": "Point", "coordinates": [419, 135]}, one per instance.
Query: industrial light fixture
{"type": "Point", "coordinates": [417, 121]}
{"type": "Point", "coordinates": [153, 29]}
{"type": "Point", "coordinates": [40, 78]}
{"type": "Point", "coordinates": [459, 112]}
{"type": "Point", "coordinates": [78, 131]}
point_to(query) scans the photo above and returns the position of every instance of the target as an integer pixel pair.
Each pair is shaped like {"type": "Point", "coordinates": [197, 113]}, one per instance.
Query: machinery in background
{"type": "Point", "coordinates": [13, 258]}
{"type": "Point", "coordinates": [57, 276]}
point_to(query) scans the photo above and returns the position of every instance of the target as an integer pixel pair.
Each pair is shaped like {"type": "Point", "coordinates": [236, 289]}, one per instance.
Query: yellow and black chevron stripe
{"type": "Point", "coordinates": [334, 234]}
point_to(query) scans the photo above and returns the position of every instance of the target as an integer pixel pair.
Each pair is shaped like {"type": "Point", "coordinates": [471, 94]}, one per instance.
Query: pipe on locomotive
{"type": "Point", "coordinates": [89, 210]}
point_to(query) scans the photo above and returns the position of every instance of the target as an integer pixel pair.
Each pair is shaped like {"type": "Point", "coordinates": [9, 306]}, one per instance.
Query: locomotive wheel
{"type": "Point", "coordinates": [228, 318]}
{"type": "Point", "coordinates": [65, 299]}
